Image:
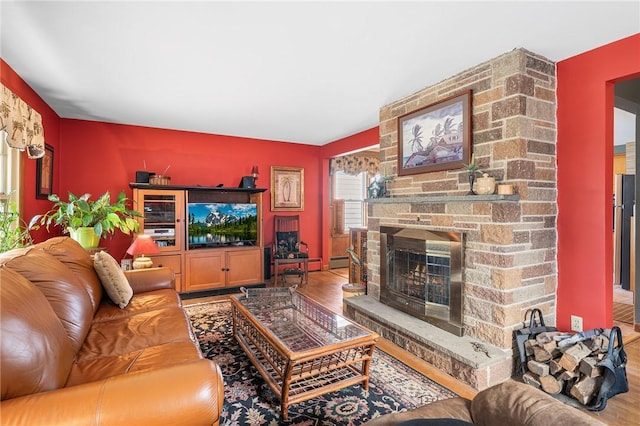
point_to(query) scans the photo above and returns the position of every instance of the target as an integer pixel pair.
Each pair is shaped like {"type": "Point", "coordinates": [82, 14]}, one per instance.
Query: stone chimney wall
{"type": "Point", "coordinates": [510, 244]}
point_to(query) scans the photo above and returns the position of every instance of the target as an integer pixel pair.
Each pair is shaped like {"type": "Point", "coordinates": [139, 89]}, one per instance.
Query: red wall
{"type": "Point", "coordinates": [585, 97]}
{"type": "Point", "coordinates": [200, 159]}
{"type": "Point", "coordinates": [97, 157]}
{"type": "Point", "coordinates": [50, 121]}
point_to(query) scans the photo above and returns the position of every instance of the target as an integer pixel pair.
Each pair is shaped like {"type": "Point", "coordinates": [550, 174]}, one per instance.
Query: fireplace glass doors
{"type": "Point", "coordinates": [421, 275]}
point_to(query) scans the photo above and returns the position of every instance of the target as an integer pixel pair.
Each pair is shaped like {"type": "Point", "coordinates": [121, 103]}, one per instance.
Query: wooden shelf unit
{"type": "Point", "coordinates": [198, 269]}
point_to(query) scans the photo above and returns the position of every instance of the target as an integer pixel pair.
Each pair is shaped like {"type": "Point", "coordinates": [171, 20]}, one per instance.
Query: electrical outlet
{"type": "Point", "coordinates": [576, 323]}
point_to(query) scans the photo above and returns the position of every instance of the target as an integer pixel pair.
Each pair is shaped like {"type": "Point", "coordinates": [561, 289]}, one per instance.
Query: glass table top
{"type": "Point", "coordinates": [298, 322]}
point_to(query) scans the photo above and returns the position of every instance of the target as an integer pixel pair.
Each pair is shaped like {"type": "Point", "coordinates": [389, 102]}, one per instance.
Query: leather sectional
{"type": "Point", "coordinates": [71, 356]}
{"type": "Point", "coordinates": [510, 403]}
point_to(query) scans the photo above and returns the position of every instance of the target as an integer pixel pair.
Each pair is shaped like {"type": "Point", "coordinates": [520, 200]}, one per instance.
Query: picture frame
{"type": "Point", "coordinates": [436, 137]}
{"type": "Point", "coordinates": [287, 188]}
{"type": "Point", "coordinates": [126, 264]}
{"type": "Point", "coordinates": [44, 173]}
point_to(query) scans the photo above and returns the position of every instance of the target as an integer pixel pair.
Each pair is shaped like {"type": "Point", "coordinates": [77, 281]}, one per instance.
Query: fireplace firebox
{"type": "Point", "coordinates": [421, 275]}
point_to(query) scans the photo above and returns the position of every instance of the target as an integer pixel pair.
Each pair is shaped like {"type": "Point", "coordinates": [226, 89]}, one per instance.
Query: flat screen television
{"type": "Point", "coordinates": [222, 224]}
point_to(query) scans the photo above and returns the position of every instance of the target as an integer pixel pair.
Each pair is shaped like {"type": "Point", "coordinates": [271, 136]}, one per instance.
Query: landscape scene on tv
{"type": "Point", "coordinates": [222, 224]}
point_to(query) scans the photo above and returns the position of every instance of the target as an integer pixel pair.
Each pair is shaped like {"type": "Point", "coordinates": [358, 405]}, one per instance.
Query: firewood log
{"type": "Point", "coordinates": [555, 368]}
{"type": "Point", "coordinates": [551, 347]}
{"type": "Point", "coordinates": [569, 375]}
{"type": "Point", "coordinates": [528, 347]}
{"type": "Point", "coordinates": [551, 385]}
{"type": "Point", "coordinates": [531, 379]}
{"type": "Point", "coordinates": [538, 368]}
{"type": "Point", "coordinates": [548, 336]}
{"type": "Point", "coordinates": [585, 389]}
{"type": "Point", "coordinates": [588, 367]}
{"type": "Point", "coordinates": [541, 355]}
{"type": "Point", "coordinates": [600, 343]}
{"type": "Point", "coordinates": [572, 356]}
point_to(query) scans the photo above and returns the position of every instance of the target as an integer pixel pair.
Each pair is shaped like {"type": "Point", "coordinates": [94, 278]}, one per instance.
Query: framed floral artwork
{"type": "Point", "coordinates": [287, 188]}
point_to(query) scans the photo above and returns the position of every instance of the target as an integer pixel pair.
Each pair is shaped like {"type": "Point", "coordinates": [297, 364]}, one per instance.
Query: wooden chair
{"type": "Point", "coordinates": [289, 249]}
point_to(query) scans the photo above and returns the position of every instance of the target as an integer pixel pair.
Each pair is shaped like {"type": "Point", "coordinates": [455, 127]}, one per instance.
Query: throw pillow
{"type": "Point", "coordinates": [287, 244]}
{"type": "Point", "coordinates": [113, 279]}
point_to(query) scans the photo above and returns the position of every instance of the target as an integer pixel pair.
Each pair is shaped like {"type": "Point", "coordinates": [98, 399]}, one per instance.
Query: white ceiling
{"type": "Point", "coordinates": [303, 72]}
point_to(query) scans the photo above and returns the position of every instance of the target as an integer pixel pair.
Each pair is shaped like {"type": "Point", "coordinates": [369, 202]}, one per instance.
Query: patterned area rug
{"type": "Point", "coordinates": [393, 386]}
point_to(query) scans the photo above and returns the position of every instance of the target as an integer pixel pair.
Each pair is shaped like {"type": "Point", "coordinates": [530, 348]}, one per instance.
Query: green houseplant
{"type": "Point", "coordinates": [89, 220]}
{"type": "Point", "coordinates": [13, 233]}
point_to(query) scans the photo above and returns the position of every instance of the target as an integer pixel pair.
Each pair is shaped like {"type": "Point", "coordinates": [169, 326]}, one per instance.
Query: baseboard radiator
{"type": "Point", "coordinates": [339, 262]}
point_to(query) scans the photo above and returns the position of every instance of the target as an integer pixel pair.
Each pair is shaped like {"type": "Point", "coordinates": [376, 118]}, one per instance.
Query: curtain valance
{"type": "Point", "coordinates": [355, 164]}
{"type": "Point", "coordinates": [22, 124]}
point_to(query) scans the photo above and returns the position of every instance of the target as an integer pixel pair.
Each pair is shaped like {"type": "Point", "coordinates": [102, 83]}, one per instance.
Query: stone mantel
{"type": "Point", "coordinates": [432, 199]}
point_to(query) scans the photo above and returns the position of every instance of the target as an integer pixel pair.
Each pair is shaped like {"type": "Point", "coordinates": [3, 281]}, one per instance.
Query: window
{"type": "Point", "coordinates": [10, 163]}
{"type": "Point", "coordinates": [352, 190]}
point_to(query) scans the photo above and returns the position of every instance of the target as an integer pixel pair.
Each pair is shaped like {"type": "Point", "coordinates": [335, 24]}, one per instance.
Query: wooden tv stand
{"type": "Point", "coordinates": [198, 269]}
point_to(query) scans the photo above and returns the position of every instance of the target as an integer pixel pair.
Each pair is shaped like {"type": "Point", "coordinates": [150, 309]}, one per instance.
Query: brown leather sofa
{"type": "Point", "coordinates": [70, 356]}
{"type": "Point", "coordinates": [510, 403]}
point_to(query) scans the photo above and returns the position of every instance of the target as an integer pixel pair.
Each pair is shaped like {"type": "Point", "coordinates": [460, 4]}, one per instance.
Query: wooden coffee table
{"type": "Point", "coordinates": [301, 349]}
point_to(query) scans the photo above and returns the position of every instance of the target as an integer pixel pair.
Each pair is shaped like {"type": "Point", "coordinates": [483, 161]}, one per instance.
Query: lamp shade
{"type": "Point", "coordinates": [140, 247]}
{"type": "Point", "coordinates": [143, 244]}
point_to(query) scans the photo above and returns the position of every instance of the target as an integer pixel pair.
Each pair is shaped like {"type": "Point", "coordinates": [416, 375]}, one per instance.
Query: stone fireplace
{"type": "Point", "coordinates": [420, 274]}
{"type": "Point", "coordinates": [508, 259]}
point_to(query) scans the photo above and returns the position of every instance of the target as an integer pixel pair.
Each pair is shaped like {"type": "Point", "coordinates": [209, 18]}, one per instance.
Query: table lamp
{"type": "Point", "coordinates": [141, 246]}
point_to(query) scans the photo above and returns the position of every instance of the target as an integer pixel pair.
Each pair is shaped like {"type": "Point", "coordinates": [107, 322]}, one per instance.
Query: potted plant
{"type": "Point", "coordinates": [378, 186]}
{"type": "Point", "coordinates": [86, 220]}
{"type": "Point", "coordinates": [13, 233]}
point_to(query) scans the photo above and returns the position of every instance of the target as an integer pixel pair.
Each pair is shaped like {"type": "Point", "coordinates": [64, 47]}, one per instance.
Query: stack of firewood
{"type": "Point", "coordinates": [556, 367]}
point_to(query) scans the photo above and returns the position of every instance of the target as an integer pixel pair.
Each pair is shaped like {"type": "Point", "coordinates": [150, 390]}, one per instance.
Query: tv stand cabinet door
{"type": "Point", "coordinates": [244, 266]}
{"type": "Point", "coordinates": [205, 270]}
{"type": "Point", "coordinates": [163, 217]}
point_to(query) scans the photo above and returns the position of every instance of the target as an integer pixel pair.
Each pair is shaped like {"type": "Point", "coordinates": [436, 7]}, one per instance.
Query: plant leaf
{"type": "Point", "coordinates": [113, 218]}
{"type": "Point", "coordinates": [87, 220]}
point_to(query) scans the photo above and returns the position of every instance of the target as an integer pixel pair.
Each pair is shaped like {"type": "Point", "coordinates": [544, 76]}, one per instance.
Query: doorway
{"type": "Point", "coordinates": [349, 178]}
{"type": "Point", "coordinates": [626, 130]}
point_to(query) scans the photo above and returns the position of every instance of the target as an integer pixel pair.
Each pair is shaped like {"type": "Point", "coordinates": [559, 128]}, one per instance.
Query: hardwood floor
{"type": "Point", "coordinates": [326, 288]}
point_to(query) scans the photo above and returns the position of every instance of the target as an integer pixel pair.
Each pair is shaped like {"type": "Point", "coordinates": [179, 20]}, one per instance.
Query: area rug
{"type": "Point", "coordinates": [393, 386]}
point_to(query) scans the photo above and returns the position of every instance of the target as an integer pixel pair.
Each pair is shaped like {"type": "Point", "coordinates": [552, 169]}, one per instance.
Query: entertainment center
{"type": "Point", "coordinates": [212, 237]}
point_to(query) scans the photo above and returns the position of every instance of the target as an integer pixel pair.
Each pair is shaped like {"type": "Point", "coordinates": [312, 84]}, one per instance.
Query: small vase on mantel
{"type": "Point", "coordinates": [472, 180]}
{"type": "Point", "coordinates": [472, 168]}
{"type": "Point", "coordinates": [485, 185]}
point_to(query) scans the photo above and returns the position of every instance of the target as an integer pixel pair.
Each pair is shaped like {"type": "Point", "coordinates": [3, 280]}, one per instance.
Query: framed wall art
{"type": "Point", "coordinates": [44, 173]}
{"type": "Point", "coordinates": [287, 188]}
{"type": "Point", "coordinates": [435, 137]}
